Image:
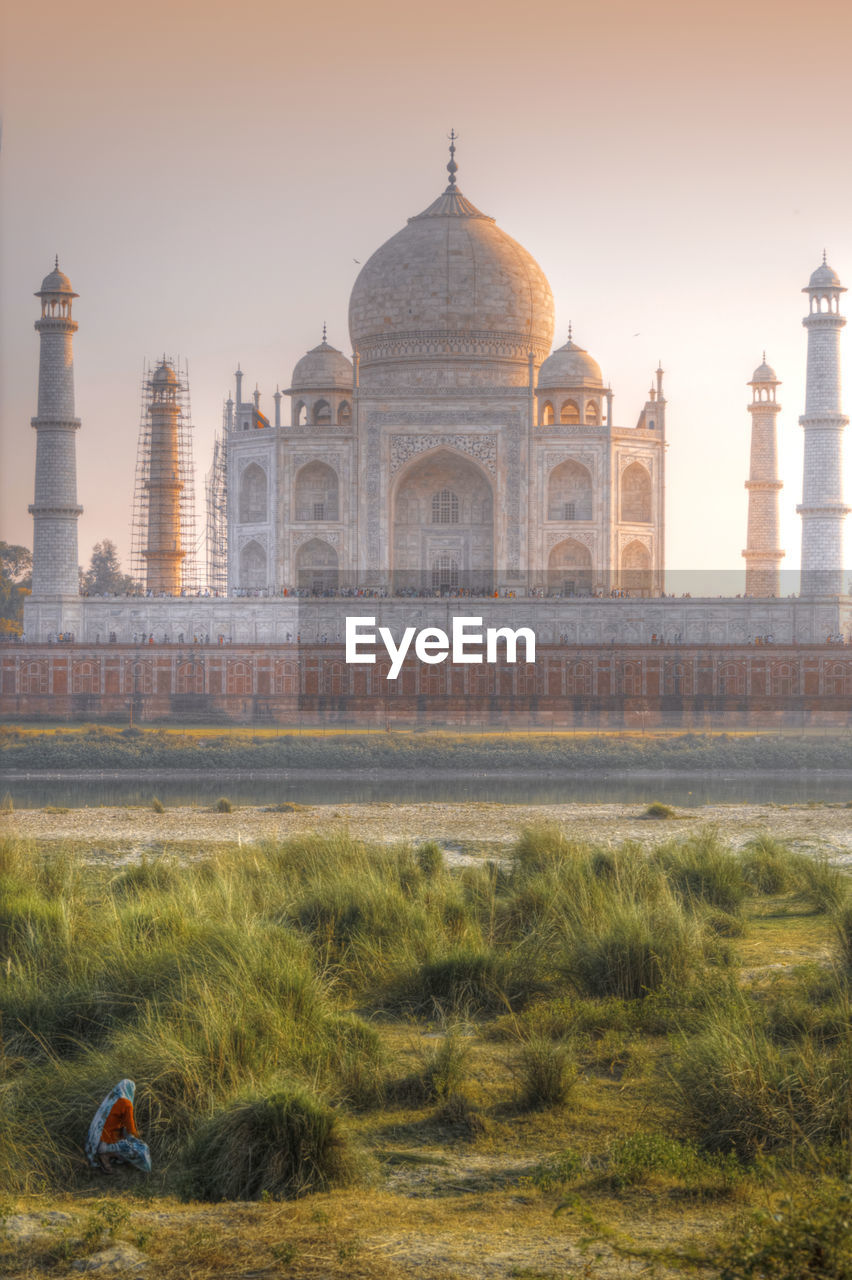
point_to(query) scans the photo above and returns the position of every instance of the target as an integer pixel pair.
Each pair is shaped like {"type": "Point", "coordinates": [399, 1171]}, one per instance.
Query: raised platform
{"type": "Point", "coordinates": [577, 621]}
{"type": "Point", "coordinates": [569, 685]}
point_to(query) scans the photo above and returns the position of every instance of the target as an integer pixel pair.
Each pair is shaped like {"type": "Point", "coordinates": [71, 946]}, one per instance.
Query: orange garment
{"type": "Point", "coordinates": [120, 1118]}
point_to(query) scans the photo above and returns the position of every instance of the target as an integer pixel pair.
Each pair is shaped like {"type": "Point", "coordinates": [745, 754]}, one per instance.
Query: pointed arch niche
{"type": "Point", "coordinates": [317, 566]}
{"type": "Point", "coordinates": [569, 569]}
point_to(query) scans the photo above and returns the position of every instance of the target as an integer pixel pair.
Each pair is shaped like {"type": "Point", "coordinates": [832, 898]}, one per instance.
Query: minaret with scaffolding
{"type": "Point", "coordinates": [762, 554]}
{"type": "Point", "coordinates": [163, 544]}
{"type": "Point", "coordinates": [216, 488]}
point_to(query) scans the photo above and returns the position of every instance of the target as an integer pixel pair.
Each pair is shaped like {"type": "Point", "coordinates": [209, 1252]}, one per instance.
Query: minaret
{"type": "Point", "coordinates": [55, 511]}
{"type": "Point", "coordinates": [762, 554]}
{"type": "Point", "coordinates": [822, 508]}
{"type": "Point", "coordinates": [163, 552]}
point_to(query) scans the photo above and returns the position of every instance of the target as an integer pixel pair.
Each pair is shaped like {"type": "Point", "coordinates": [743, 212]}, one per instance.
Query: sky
{"type": "Point", "coordinates": [211, 175]}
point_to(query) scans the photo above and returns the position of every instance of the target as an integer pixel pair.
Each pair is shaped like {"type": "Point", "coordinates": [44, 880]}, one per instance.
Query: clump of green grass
{"type": "Point", "coordinates": [659, 811]}
{"type": "Point", "coordinates": [824, 886]}
{"type": "Point", "coordinates": [842, 921]}
{"type": "Point", "coordinates": [223, 805]}
{"type": "Point", "coordinates": [740, 1091]}
{"type": "Point", "coordinates": [459, 1113]}
{"type": "Point", "coordinates": [546, 1071]}
{"type": "Point", "coordinates": [635, 948]}
{"type": "Point", "coordinates": [157, 805]}
{"type": "Point", "coordinates": [430, 859]}
{"type": "Point", "coordinates": [283, 1145]}
{"type": "Point", "coordinates": [770, 867]}
{"type": "Point", "coordinates": [703, 870]}
{"type": "Point", "coordinates": [445, 1069]}
{"type": "Point", "coordinates": [465, 980]}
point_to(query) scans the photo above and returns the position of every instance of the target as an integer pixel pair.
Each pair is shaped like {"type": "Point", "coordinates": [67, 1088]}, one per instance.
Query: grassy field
{"type": "Point", "coordinates": [103, 748]}
{"type": "Point", "coordinates": [357, 1061]}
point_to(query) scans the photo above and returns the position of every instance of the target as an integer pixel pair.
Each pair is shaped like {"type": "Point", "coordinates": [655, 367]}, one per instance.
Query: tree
{"type": "Point", "coordinates": [16, 566]}
{"type": "Point", "coordinates": [104, 576]}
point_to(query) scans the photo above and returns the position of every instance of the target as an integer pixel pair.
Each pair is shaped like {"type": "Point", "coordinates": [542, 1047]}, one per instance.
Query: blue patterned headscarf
{"type": "Point", "coordinates": [124, 1089]}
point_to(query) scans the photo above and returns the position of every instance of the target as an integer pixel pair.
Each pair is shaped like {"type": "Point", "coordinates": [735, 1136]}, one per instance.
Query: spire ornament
{"type": "Point", "coordinates": [324, 331]}
{"type": "Point", "coordinates": [452, 167]}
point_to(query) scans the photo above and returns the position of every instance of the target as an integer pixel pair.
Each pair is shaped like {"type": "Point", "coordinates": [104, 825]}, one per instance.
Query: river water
{"type": "Point", "coordinates": [354, 788]}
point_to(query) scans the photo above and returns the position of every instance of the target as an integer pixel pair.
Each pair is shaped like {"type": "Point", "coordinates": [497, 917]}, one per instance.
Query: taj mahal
{"type": "Point", "coordinates": [458, 453]}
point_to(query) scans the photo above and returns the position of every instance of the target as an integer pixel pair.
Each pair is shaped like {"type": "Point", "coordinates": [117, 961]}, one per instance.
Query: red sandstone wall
{"type": "Point", "coordinates": [624, 686]}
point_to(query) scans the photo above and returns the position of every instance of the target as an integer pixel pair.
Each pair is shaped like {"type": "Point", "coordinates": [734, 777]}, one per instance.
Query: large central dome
{"type": "Point", "coordinates": [450, 300]}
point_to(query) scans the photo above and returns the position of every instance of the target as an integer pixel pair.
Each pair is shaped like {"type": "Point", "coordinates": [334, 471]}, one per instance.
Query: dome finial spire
{"type": "Point", "coordinates": [823, 258]}
{"type": "Point", "coordinates": [56, 262]}
{"type": "Point", "coordinates": [452, 167]}
{"type": "Point", "coordinates": [324, 331]}
{"type": "Point", "coordinates": [570, 331]}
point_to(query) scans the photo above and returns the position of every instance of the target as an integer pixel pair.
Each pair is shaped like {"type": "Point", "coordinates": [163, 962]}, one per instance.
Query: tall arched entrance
{"type": "Point", "coordinates": [443, 527]}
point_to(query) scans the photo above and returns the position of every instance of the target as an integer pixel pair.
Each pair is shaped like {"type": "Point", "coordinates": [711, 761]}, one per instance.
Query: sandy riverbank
{"type": "Point", "coordinates": [469, 827]}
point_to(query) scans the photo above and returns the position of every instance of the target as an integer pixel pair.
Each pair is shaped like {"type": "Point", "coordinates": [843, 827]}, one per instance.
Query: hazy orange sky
{"type": "Point", "coordinates": [209, 173]}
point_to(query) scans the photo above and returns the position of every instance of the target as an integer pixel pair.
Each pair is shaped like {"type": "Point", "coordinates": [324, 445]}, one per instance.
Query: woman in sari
{"type": "Point", "coordinates": [113, 1132]}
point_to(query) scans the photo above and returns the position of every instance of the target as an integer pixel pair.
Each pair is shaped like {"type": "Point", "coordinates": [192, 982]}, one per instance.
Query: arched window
{"type": "Point", "coordinates": [316, 566]}
{"type": "Point", "coordinates": [286, 678]}
{"type": "Point", "coordinates": [239, 678]}
{"type": "Point", "coordinates": [591, 413]}
{"type": "Point", "coordinates": [569, 492]}
{"type": "Point", "coordinates": [253, 566]}
{"type": "Point", "coordinates": [636, 494]}
{"type": "Point", "coordinates": [190, 677]}
{"type": "Point", "coordinates": [253, 499]}
{"type": "Point", "coordinates": [445, 507]}
{"type": "Point", "coordinates": [344, 414]}
{"type": "Point", "coordinates": [569, 414]}
{"type": "Point", "coordinates": [139, 678]}
{"type": "Point", "coordinates": [84, 677]}
{"type": "Point", "coordinates": [631, 680]}
{"type": "Point", "coordinates": [838, 679]}
{"type": "Point", "coordinates": [547, 415]}
{"type": "Point", "coordinates": [300, 414]}
{"type": "Point", "coordinates": [322, 412]}
{"type": "Point", "coordinates": [782, 680]}
{"type": "Point", "coordinates": [33, 677]}
{"type": "Point", "coordinates": [731, 680]}
{"type": "Point", "coordinates": [578, 679]}
{"type": "Point", "coordinates": [569, 569]}
{"type": "Point", "coordinates": [445, 573]}
{"type": "Point", "coordinates": [636, 569]}
{"type": "Point", "coordinates": [317, 492]}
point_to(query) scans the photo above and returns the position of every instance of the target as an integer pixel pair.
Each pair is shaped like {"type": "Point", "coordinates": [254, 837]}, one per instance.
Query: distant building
{"type": "Point", "coordinates": [456, 454]}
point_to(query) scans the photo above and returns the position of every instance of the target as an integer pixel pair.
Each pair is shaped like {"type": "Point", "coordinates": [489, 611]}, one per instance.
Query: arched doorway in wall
{"type": "Point", "coordinates": [253, 566]}
{"type": "Point", "coordinates": [317, 566]}
{"type": "Point", "coordinates": [569, 492]}
{"type": "Point", "coordinates": [253, 495]}
{"type": "Point", "coordinates": [636, 494]}
{"type": "Point", "coordinates": [317, 492]}
{"type": "Point", "coordinates": [569, 569]}
{"type": "Point", "coordinates": [635, 575]}
{"type": "Point", "coordinates": [443, 526]}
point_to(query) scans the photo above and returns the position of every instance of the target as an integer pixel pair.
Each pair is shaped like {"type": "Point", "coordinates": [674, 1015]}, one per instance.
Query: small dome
{"type": "Point", "coordinates": [323, 368]}
{"type": "Point", "coordinates": [569, 366]}
{"type": "Point", "coordinates": [824, 275]}
{"type": "Point", "coordinates": [57, 282]}
{"type": "Point", "coordinates": [164, 374]}
{"type": "Point", "coordinates": [764, 373]}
